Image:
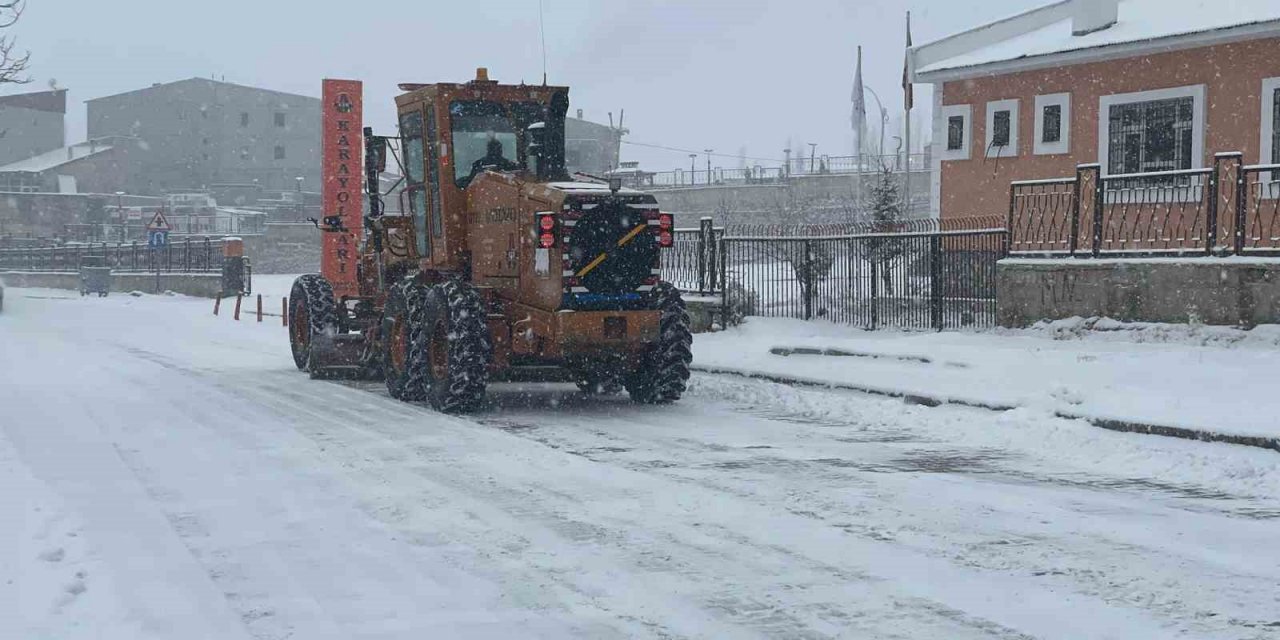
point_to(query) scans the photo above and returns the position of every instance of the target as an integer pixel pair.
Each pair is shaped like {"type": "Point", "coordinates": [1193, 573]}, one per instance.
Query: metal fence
{"type": "Point", "coordinates": [188, 255]}
{"type": "Point", "coordinates": [904, 280]}
{"type": "Point", "coordinates": [693, 262]}
{"type": "Point", "coordinates": [1229, 208]}
{"type": "Point", "coordinates": [818, 165]}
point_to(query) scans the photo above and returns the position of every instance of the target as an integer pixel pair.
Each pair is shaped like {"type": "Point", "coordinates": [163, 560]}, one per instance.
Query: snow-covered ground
{"type": "Point", "coordinates": [1205, 378]}
{"type": "Point", "coordinates": [165, 473]}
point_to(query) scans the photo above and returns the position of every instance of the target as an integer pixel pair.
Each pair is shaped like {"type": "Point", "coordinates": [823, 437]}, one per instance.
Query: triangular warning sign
{"type": "Point", "coordinates": [159, 223]}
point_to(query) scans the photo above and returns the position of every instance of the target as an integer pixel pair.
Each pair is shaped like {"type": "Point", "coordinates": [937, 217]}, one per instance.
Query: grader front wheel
{"type": "Point", "coordinates": [312, 311]}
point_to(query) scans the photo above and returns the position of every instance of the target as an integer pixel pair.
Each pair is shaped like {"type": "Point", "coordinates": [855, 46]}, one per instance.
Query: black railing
{"type": "Point", "coordinates": [904, 280]}
{"type": "Point", "coordinates": [807, 166]}
{"type": "Point", "coordinates": [1225, 209]}
{"type": "Point", "coordinates": [187, 255]}
{"type": "Point", "coordinates": [692, 263]}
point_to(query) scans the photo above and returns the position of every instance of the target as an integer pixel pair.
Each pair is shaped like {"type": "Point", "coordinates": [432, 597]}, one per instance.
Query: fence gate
{"type": "Point", "coordinates": [908, 280]}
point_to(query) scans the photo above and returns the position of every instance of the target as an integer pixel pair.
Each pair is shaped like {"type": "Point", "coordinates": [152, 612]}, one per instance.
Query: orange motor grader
{"type": "Point", "coordinates": [501, 268]}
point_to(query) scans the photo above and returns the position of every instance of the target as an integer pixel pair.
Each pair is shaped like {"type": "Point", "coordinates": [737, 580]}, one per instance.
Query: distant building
{"type": "Point", "coordinates": [1138, 86]}
{"type": "Point", "coordinates": [202, 132]}
{"type": "Point", "coordinates": [590, 147]}
{"type": "Point", "coordinates": [104, 165]}
{"type": "Point", "coordinates": [31, 124]}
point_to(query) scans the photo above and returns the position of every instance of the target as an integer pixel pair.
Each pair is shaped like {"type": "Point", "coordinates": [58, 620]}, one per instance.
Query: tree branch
{"type": "Point", "coordinates": [13, 67]}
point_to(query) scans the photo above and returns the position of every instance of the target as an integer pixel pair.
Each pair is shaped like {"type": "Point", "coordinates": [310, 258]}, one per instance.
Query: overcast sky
{"type": "Point", "coordinates": [691, 74]}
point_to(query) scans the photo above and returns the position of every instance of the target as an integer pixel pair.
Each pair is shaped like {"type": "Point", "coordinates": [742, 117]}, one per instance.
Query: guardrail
{"type": "Point", "coordinates": [188, 255]}
{"type": "Point", "coordinates": [1227, 209]}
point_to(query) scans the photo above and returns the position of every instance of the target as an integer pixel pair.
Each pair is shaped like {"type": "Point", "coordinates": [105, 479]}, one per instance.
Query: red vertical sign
{"type": "Point", "coordinates": [341, 179]}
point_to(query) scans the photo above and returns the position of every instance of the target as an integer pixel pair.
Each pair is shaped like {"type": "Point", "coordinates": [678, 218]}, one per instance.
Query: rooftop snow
{"type": "Point", "coordinates": [55, 158]}
{"type": "Point", "coordinates": [1138, 21]}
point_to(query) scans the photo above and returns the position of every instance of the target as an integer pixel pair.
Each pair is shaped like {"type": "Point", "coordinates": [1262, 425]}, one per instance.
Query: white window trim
{"type": "Point", "coordinates": [1011, 150]}
{"type": "Point", "coordinates": [1195, 91]}
{"type": "Point", "coordinates": [957, 110]}
{"type": "Point", "coordinates": [1063, 145]}
{"type": "Point", "coordinates": [1269, 86]}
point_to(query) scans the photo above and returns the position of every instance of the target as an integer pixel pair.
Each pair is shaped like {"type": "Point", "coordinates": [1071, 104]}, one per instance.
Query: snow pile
{"type": "Point", "coordinates": [1153, 374]}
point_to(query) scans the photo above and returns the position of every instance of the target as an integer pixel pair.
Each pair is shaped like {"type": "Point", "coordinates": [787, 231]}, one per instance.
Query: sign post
{"type": "Point", "coordinates": [341, 166]}
{"type": "Point", "coordinates": [157, 239]}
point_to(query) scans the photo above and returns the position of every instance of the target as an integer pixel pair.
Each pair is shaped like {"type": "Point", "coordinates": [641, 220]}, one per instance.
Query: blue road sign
{"type": "Point", "coordinates": [157, 239]}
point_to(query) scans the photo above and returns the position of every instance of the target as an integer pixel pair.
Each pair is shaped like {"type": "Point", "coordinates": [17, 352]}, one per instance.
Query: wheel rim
{"type": "Point", "coordinates": [399, 340]}
{"type": "Point", "coordinates": [300, 326]}
{"type": "Point", "coordinates": [439, 353]}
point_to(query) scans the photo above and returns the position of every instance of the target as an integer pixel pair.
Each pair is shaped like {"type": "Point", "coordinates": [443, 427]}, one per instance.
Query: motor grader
{"type": "Point", "coordinates": [502, 267]}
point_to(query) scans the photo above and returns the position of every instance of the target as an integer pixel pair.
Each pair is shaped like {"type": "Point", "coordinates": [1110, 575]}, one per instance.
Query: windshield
{"type": "Point", "coordinates": [484, 137]}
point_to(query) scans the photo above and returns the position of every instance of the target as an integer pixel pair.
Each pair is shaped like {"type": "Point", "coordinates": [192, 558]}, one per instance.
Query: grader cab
{"type": "Point", "coordinates": [502, 268]}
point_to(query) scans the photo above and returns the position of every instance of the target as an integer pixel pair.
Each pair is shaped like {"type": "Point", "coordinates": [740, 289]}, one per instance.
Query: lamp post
{"type": "Point", "coordinates": [708, 152]}
{"type": "Point", "coordinates": [813, 154]}
{"type": "Point", "coordinates": [120, 214]}
{"type": "Point", "coordinates": [786, 168]}
{"type": "Point", "coordinates": [297, 205]}
{"type": "Point", "coordinates": [884, 120]}
{"type": "Point", "coordinates": [693, 159]}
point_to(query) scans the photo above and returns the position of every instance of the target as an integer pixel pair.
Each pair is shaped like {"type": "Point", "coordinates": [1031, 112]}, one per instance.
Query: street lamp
{"type": "Point", "coordinates": [708, 152]}
{"type": "Point", "coordinates": [297, 206]}
{"type": "Point", "coordinates": [120, 215]}
{"type": "Point", "coordinates": [786, 169]}
{"type": "Point", "coordinates": [813, 153]}
{"type": "Point", "coordinates": [884, 120]}
{"type": "Point", "coordinates": [693, 159]}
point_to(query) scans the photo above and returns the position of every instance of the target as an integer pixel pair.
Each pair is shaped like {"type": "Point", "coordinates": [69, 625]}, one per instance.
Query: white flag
{"type": "Point", "coordinates": [859, 118]}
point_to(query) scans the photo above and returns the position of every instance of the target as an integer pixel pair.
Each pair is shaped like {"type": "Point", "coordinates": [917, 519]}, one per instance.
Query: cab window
{"type": "Point", "coordinates": [411, 133]}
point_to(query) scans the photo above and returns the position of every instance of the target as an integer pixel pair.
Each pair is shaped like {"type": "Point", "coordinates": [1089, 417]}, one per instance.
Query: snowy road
{"type": "Point", "coordinates": [170, 475]}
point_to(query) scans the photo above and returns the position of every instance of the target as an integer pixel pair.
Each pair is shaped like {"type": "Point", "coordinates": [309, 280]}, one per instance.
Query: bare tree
{"type": "Point", "coordinates": [13, 64]}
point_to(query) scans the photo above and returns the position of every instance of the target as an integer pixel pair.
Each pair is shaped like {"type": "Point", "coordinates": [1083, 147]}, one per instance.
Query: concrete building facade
{"type": "Point", "coordinates": [1138, 86]}
{"type": "Point", "coordinates": [201, 132]}
{"type": "Point", "coordinates": [31, 124]}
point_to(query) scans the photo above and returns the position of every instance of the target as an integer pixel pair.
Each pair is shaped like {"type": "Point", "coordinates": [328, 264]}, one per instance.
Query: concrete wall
{"type": "Point", "coordinates": [28, 132]}
{"type": "Point", "coordinates": [1219, 291]}
{"type": "Point", "coordinates": [192, 284]}
{"type": "Point", "coordinates": [1231, 73]}
{"type": "Point", "coordinates": [285, 248]}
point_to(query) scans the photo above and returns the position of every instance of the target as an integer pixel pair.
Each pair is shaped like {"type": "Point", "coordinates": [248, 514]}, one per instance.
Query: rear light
{"type": "Point", "coordinates": [546, 229]}
{"type": "Point", "coordinates": [665, 221]}
{"type": "Point", "coordinates": [665, 239]}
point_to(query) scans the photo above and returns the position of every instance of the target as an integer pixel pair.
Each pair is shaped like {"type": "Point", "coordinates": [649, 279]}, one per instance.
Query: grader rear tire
{"type": "Point", "coordinates": [403, 313]}
{"type": "Point", "coordinates": [312, 311]}
{"type": "Point", "coordinates": [452, 348]}
{"type": "Point", "coordinates": [664, 368]}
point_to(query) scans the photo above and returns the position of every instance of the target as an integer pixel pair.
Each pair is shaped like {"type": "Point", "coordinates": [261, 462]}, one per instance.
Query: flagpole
{"type": "Point", "coordinates": [859, 129]}
{"type": "Point", "coordinates": [908, 99]}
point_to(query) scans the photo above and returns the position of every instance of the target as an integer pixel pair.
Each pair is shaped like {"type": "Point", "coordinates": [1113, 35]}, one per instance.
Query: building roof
{"type": "Point", "coordinates": [56, 158]}
{"type": "Point", "coordinates": [207, 81]}
{"type": "Point", "coordinates": [1043, 36]}
{"type": "Point", "coordinates": [54, 101]}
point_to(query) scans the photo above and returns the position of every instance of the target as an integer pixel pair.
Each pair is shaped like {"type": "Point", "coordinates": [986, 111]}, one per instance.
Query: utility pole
{"type": "Point", "coordinates": [786, 168]}
{"type": "Point", "coordinates": [708, 152]}
{"type": "Point", "coordinates": [693, 167]}
{"type": "Point", "coordinates": [813, 154]}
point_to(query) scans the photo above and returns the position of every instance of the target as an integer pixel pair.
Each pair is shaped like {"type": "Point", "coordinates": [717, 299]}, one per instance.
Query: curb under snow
{"type": "Point", "coordinates": [934, 401]}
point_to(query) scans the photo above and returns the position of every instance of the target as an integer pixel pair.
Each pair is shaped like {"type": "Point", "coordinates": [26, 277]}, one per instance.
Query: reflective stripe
{"type": "Point", "coordinates": [568, 273]}
{"type": "Point", "coordinates": [568, 223]}
{"type": "Point", "coordinates": [578, 290]}
{"type": "Point", "coordinates": [631, 234]}
{"type": "Point", "coordinates": [645, 287]}
{"type": "Point", "coordinates": [594, 263]}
